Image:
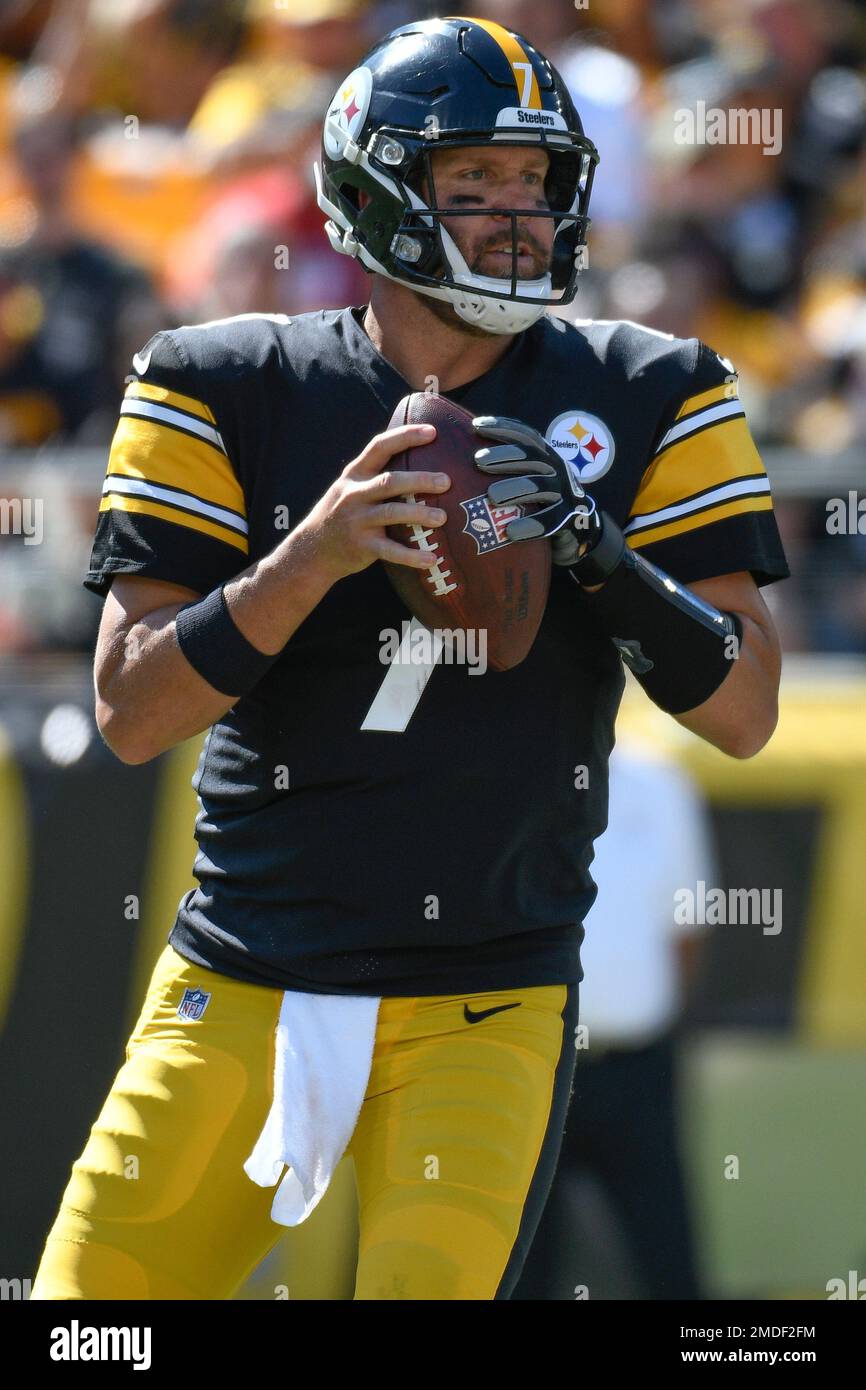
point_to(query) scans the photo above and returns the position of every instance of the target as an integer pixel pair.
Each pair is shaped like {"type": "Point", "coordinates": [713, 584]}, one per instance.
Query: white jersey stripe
{"type": "Point", "coordinates": [710, 416]}
{"type": "Point", "coordinates": [165, 415]}
{"type": "Point", "coordinates": [742, 487]}
{"type": "Point", "coordinates": [138, 487]}
{"type": "Point", "coordinates": [395, 701]}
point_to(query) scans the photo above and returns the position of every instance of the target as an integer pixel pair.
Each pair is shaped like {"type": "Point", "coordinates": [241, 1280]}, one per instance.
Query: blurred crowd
{"type": "Point", "coordinates": [156, 168]}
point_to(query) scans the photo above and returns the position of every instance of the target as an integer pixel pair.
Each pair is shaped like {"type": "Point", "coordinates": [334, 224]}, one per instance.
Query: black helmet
{"type": "Point", "coordinates": [441, 83]}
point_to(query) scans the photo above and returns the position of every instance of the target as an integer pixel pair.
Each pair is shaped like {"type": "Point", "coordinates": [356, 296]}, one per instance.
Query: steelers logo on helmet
{"type": "Point", "coordinates": [348, 110]}
{"type": "Point", "coordinates": [584, 442]}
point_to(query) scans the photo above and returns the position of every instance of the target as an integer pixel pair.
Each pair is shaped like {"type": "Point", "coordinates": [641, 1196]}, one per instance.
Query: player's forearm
{"type": "Point", "coordinates": [739, 717]}
{"type": "Point", "coordinates": [150, 697]}
{"type": "Point", "coordinates": [269, 601]}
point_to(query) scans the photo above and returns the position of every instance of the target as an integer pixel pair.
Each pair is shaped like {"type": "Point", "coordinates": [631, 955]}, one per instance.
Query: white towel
{"type": "Point", "coordinates": [324, 1051]}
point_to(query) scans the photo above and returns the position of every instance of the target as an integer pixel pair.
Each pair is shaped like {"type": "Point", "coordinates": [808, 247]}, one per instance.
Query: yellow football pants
{"type": "Point", "coordinates": [454, 1150]}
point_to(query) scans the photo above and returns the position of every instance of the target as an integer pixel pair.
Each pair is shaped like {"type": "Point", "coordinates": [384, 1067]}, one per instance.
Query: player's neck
{"type": "Point", "coordinates": [410, 336]}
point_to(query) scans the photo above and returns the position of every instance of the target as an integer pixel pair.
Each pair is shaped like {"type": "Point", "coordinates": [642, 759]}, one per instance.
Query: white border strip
{"type": "Point", "coordinates": [137, 487]}
{"type": "Point", "coordinates": [138, 407]}
{"type": "Point", "coordinates": [696, 504]}
{"type": "Point", "coordinates": [722, 411]}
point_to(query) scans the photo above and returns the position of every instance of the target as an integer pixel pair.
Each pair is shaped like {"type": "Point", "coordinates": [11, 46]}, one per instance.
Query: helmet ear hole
{"type": "Point", "coordinates": [351, 194]}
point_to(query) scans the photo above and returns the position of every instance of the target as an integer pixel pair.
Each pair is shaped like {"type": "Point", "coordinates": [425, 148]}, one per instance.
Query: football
{"type": "Point", "coordinates": [481, 581]}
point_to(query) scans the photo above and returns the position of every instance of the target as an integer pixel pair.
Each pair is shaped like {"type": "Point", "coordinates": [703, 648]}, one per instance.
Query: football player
{"type": "Point", "coordinates": [427, 846]}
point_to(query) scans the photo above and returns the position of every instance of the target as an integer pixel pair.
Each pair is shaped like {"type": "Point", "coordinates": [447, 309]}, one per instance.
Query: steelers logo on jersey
{"type": "Point", "coordinates": [584, 442]}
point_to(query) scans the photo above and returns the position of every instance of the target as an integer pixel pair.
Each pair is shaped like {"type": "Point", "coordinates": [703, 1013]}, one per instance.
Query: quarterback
{"type": "Point", "coordinates": [420, 871]}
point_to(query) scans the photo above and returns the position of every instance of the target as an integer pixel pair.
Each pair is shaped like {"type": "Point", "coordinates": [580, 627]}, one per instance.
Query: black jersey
{"type": "Point", "coordinates": [447, 849]}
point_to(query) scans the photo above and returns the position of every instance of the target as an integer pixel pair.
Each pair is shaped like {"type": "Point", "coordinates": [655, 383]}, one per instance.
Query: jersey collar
{"type": "Point", "coordinates": [387, 384]}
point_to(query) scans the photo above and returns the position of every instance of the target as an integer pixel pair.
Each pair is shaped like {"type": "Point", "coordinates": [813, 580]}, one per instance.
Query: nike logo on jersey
{"type": "Point", "coordinates": [472, 1017]}
{"type": "Point", "coordinates": [141, 363]}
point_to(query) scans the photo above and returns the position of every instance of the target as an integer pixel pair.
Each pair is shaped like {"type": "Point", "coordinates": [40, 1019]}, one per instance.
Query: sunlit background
{"type": "Point", "coordinates": [156, 169]}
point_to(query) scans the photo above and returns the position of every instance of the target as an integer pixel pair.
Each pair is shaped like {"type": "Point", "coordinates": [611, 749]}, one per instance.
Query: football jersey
{"type": "Point", "coordinates": [344, 849]}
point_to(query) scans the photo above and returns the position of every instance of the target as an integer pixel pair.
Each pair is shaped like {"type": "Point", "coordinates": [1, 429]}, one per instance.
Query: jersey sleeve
{"type": "Point", "coordinates": [172, 504]}
{"type": "Point", "coordinates": [703, 505]}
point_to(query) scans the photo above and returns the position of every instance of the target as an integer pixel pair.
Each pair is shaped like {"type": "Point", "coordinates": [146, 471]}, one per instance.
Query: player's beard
{"type": "Point", "coordinates": [443, 310]}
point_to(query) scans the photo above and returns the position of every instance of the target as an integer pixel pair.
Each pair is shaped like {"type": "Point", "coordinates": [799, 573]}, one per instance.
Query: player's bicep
{"type": "Point", "coordinates": [131, 597]}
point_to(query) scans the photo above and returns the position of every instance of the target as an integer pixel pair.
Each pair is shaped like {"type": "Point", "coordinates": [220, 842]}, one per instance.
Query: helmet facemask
{"type": "Point", "coordinates": [427, 253]}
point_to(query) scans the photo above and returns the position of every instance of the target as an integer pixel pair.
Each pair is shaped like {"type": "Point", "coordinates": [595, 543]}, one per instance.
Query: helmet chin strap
{"type": "Point", "coordinates": [495, 315]}
{"type": "Point", "coordinates": [492, 315]}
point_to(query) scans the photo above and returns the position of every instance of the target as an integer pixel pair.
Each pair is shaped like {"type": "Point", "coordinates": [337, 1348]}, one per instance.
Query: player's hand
{"type": "Point", "coordinates": [347, 525]}
{"type": "Point", "coordinates": [530, 472]}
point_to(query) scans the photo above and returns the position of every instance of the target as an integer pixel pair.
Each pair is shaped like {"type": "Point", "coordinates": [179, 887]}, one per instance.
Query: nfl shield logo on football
{"type": "Point", "coordinates": [584, 442]}
{"type": "Point", "coordinates": [193, 1004]}
{"type": "Point", "coordinates": [486, 525]}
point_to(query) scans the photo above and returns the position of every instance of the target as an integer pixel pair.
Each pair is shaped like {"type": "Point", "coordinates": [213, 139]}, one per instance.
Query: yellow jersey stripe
{"type": "Point", "coordinates": [160, 454]}
{"type": "Point", "coordinates": [145, 391]}
{"type": "Point", "coordinates": [696, 521]}
{"type": "Point", "coordinates": [144, 506]}
{"type": "Point", "coordinates": [689, 465]}
{"type": "Point", "coordinates": [726, 392]}
{"type": "Point", "coordinates": [524, 73]}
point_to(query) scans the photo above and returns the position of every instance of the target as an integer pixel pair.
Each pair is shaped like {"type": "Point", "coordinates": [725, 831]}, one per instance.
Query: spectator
{"type": "Point", "coordinates": [73, 311]}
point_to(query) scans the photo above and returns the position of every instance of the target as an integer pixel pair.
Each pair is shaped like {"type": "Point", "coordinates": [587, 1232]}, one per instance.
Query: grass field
{"type": "Point", "coordinates": [796, 1120]}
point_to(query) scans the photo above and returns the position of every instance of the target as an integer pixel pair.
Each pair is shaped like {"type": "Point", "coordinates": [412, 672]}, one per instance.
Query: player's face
{"type": "Point", "coordinates": [481, 176]}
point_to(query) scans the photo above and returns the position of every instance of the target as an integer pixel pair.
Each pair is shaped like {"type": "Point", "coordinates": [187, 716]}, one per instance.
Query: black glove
{"type": "Point", "coordinates": [532, 473]}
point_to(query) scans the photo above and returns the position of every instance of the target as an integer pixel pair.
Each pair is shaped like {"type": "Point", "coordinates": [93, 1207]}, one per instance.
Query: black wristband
{"type": "Point", "coordinates": [678, 647]}
{"type": "Point", "coordinates": [214, 646]}
{"type": "Point", "coordinates": [607, 548]}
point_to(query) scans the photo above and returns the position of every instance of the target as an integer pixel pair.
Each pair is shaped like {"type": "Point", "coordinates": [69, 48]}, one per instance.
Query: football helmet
{"type": "Point", "coordinates": [447, 83]}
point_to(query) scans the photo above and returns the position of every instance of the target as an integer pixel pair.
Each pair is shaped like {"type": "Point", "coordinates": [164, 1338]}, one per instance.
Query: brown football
{"type": "Point", "coordinates": [482, 581]}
